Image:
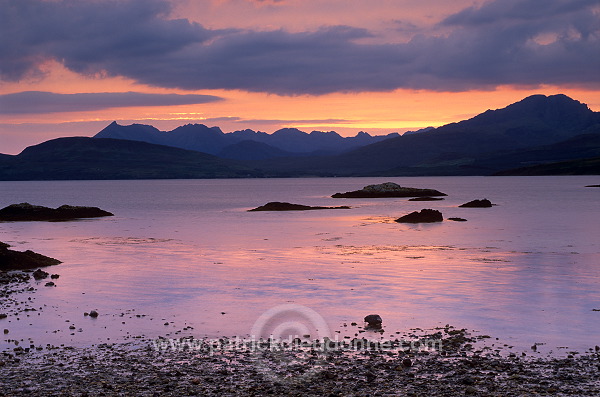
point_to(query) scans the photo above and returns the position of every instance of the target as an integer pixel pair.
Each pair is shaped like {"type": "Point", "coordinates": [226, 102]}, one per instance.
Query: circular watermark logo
{"type": "Point", "coordinates": [290, 342]}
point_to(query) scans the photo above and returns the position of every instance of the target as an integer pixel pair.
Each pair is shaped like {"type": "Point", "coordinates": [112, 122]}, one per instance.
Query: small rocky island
{"type": "Point", "coordinates": [17, 260]}
{"type": "Point", "coordinates": [389, 189]}
{"type": "Point", "coordinates": [423, 216]}
{"type": "Point", "coordinates": [426, 198]}
{"type": "Point", "coordinates": [281, 206]}
{"type": "Point", "coordinates": [29, 212]}
{"type": "Point", "coordinates": [485, 203]}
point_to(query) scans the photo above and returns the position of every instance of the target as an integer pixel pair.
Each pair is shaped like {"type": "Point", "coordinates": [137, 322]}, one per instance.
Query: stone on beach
{"type": "Point", "coordinates": [373, 321]}
{"type": "Point", "coordinates": [388, 189]}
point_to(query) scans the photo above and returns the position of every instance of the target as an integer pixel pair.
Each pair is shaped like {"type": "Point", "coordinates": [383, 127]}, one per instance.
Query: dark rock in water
{"type": "Point", "coordinates": [50, 284]}
{"type": "Point", "coordinates": [424, 216]}
{"type": "Point", "coordinates": [16, 260]}
{"type": "Point", "coordinates": [457, 219]}
{"type": "Point", "coordinates": [407, 362]}
{"type": "Point", "coordinates": [426, 198]}
{"type": "Point", "coordinates": [39, 274]}
{"type": "Point", "coordinates": [2, 316]}
{"type": "Point", "coordinates": [93, 314]}
{"type": "Point", "coordinates": [485, 203]}
{"type": "Point", "coordinates": [279, 206]}
{"type": "Point", "coordinates": [373, 321]}
{"type": "Point", "coordinates": [29, 212]}
{"type": "Point", "coordinates": [388, 189]}
{"type": "Point", "coordinates": [592, 186]}
{"type": "Point", "coordinates": [55, 276]}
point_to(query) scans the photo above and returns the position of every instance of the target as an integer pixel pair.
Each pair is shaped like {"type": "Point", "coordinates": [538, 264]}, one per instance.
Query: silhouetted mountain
{"type": "Point", "coordinates": [459, 148]}
{"type": "Point", "coordinates": [201, 138]}
{"type": "Point", "coordinates": [553, 134]}
{"type": "Point", "coordinates": [88, 158]}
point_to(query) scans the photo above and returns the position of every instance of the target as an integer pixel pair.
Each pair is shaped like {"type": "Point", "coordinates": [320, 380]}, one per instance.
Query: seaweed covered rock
{"type": "Point", "coordinates": [423, 216]}
{"type": "Point", "coordinates": [282, 206]}
{"type": "Point", "coordinates": [426, 198]}
{"type": "Point", "coordinates": [17, 260]}
{"type": "Point", "coordinates": [29, 212]}
{"type": "Point", "coordinates": [388, 189]}
{"type": "Point", "coordinates": [485, 203]}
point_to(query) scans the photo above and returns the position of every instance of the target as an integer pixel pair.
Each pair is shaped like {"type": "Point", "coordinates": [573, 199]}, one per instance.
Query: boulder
{"type": "Point", "coordinates": [592, 186]}
{"type": "Point", "coordinates": [388, 189]}
{"type": "Point", "coordinates": [457, 219]}
{"type": "Point", "coordinates": [485, 203]}
{"type": "Point", "coordinates": [17, 260]}
{"type": "Point", "coordinates": [29, 212]}
{"type": "Point", "coordinates": [39, 274]}
{"type": "Point", "coordinates": [280, 206]}
{"type": "Point", "coordinates": [423, 216]}
{"type": "Point", "coordinates": [373, 321]}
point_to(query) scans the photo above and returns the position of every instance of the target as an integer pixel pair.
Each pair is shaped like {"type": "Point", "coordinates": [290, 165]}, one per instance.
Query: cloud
{"type": "Point", "coordinates": [29, 102]}
{"type": "Point", "coordinates": [495, 44]}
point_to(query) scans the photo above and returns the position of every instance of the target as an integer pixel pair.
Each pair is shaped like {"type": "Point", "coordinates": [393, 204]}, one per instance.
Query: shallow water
{"type": "Point", "coordinates": [184, 252]}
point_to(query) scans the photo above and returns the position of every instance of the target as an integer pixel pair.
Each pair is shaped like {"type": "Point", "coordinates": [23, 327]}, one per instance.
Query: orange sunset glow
{"type": "Point", "coordinates": [310, 90]}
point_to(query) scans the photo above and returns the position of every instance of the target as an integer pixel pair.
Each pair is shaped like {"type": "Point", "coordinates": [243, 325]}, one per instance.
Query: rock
{"type": "Point", "coordinates": [407, 362]}
{"type": "Point", "coordinates": [281, 206]}
{"type": "Point", "coordinates": [17, 260]}
{"type": "Point", "coordinates": [485, 203]}
{"type": "Point", "coordinates": [426, 198]}
{"type": "Point", "coordinates": [457, 219]}
{"type": "Point", "coordinates": [388, 189]}
{"type": "Point", "coordinates": [424, 216]}
{"type": "Point", "coordinates": [6, 331]}
{"type": "Point", "coordinates": [93, 314]}
{"type": "Point", "coordinates": [592, 186]}
{"type": "Point", "coordinates": [55, 276]}
{"type": "Point", "coordinates": [2, 315]}
{"type": "Point", "coordinates": [29, 212]}
{"type": "Point", "coordinates": [39, 274]}
{"type": "Point", "coordinates": [50, 284]}
{"type": "Point", "coordinates": [373, 321]}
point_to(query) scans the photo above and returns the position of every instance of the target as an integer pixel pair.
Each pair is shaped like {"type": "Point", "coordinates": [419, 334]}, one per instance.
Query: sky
{"type": "Point", "coordinates": [70, 67]}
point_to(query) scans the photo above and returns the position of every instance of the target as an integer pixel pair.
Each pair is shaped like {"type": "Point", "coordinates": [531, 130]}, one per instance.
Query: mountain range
{"type": "Point", "coordinates": [245, 144]}
{"type": "Point", "coordinates": [537, 135]}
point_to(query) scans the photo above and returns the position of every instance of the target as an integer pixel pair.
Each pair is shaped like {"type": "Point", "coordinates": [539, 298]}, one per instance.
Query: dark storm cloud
{"type": "Point", "coordinates": [47, 102]}
{"type": "Point", "coordinates": [518, 10]}
{"type": "Point", "coordinates": [501, 42]}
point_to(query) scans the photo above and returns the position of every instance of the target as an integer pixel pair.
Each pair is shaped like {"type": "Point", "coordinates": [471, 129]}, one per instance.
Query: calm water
{"type": "Point", "coordinates": [183, 252]}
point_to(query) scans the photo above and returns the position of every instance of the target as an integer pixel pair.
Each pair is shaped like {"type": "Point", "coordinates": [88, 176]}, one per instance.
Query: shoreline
{"type": "Point", "coordinates": [461, 364]}
{"type": "Point", "coordinates": [138, 368]}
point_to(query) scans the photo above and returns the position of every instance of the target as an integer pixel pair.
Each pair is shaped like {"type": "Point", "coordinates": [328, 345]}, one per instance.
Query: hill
{"type": "Point", "coordinates": [481, 145]}
{"type": "Point", "coordinates": [89, 158]}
